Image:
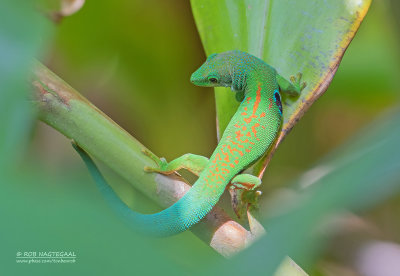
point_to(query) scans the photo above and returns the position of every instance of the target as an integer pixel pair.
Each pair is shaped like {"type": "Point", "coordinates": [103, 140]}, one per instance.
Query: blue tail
{"type": "Point", "coordinates": [170, 221]}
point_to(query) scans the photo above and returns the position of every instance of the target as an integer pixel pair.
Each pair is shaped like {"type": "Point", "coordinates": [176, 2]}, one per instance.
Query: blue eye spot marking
{"type": "Point", "coordinates": [278, 102]}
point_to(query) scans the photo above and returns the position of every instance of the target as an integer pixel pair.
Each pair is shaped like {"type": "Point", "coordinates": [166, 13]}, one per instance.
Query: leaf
{"type": "Point", "coordinates": [307, 36]}
{"type": "Point", "coordinates": [20, 36]}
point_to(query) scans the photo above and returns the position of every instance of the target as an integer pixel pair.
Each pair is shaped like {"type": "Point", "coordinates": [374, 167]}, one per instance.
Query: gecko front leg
{"type": "Point", "coordinates": [245, 181]}
{"type": "Point", "coordinates": [191, 162]}
{"type": "Point", "coordinates": [243, 193]}
{"type": "Point", "coordinates": [292, 87]}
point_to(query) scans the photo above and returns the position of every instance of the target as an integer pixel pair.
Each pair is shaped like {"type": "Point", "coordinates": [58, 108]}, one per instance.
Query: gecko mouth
{"type": "Point", "coordinates": [198, 81]}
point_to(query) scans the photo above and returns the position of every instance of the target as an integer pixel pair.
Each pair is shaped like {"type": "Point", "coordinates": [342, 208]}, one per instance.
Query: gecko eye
{"type": "Point", "coordinates": [213, 79]}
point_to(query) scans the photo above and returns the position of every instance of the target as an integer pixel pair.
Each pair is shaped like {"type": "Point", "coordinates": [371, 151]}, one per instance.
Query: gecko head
{"type": "Point", "coordinates": [214, 72]}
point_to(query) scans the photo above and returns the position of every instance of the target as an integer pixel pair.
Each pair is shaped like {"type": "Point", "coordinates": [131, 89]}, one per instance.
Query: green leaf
{"type": "Point", "coordinates": [307, 36]}
{"type": "Point", "coordinates": [20, 37]}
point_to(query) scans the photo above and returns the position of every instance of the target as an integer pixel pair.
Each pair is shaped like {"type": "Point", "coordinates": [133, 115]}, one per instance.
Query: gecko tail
{"type": "Point", "coordinates": [170, 221]}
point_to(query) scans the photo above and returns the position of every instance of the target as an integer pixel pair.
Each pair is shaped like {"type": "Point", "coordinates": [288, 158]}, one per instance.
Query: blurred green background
{"type": "Point", "coordinates": [133, 60]}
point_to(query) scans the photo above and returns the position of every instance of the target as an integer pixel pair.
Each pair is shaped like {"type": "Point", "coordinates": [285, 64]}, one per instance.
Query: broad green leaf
{"type": "Point", "coordinates": [307, 36]}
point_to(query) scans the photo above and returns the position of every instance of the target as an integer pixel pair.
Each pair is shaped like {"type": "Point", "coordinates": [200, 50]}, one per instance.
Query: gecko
{"type": "Point", "coordinates": [249, 134]}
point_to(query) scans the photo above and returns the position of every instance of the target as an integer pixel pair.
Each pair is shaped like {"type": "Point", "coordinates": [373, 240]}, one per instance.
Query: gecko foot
{"type": "Point", "coordinates": [243, 193]}
{"type": "Point", "coordinates": [242, 200]}
{"type": "Point", "coordinates": [296, 81]}
{"type": "Point", "coordinates": [161, 163]}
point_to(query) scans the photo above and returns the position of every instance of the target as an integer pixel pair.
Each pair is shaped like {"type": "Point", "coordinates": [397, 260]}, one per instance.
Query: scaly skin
{"type": "Point", "coordinates": [247, 137]}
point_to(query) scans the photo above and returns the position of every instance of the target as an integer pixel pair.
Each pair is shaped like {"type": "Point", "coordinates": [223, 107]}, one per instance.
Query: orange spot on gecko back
{"type": "Point", "coordinates": [231, 150]}
{"type": "Point", "coordinates": [255, 106]}
{"type": "Point", "coordinates": [223, 170]}
{"type": "Point", "coordinates": [253, 129]}
{"type": "Point", "coordinates": [217, 156]}
{"type": "Point", "coordinates": [258, 99]}
{"type": "Point", "coordinates": [262, 114]}
{"type": "Point", "coordinates": [248, 120]}
{"type": "Point", "coordinates": [226, 155]}
{"type": "Point", "coordinates": [236, 144]}
{"type": "Point", "coordinates": [239, 134]}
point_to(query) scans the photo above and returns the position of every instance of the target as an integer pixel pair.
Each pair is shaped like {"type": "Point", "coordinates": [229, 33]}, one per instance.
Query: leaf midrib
{"type": "Point", "coordinates": [266, 19]}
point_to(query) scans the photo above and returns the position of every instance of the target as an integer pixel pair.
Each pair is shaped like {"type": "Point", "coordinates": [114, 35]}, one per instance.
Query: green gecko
{"type": "Point", "coordinates": [251, 131]}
